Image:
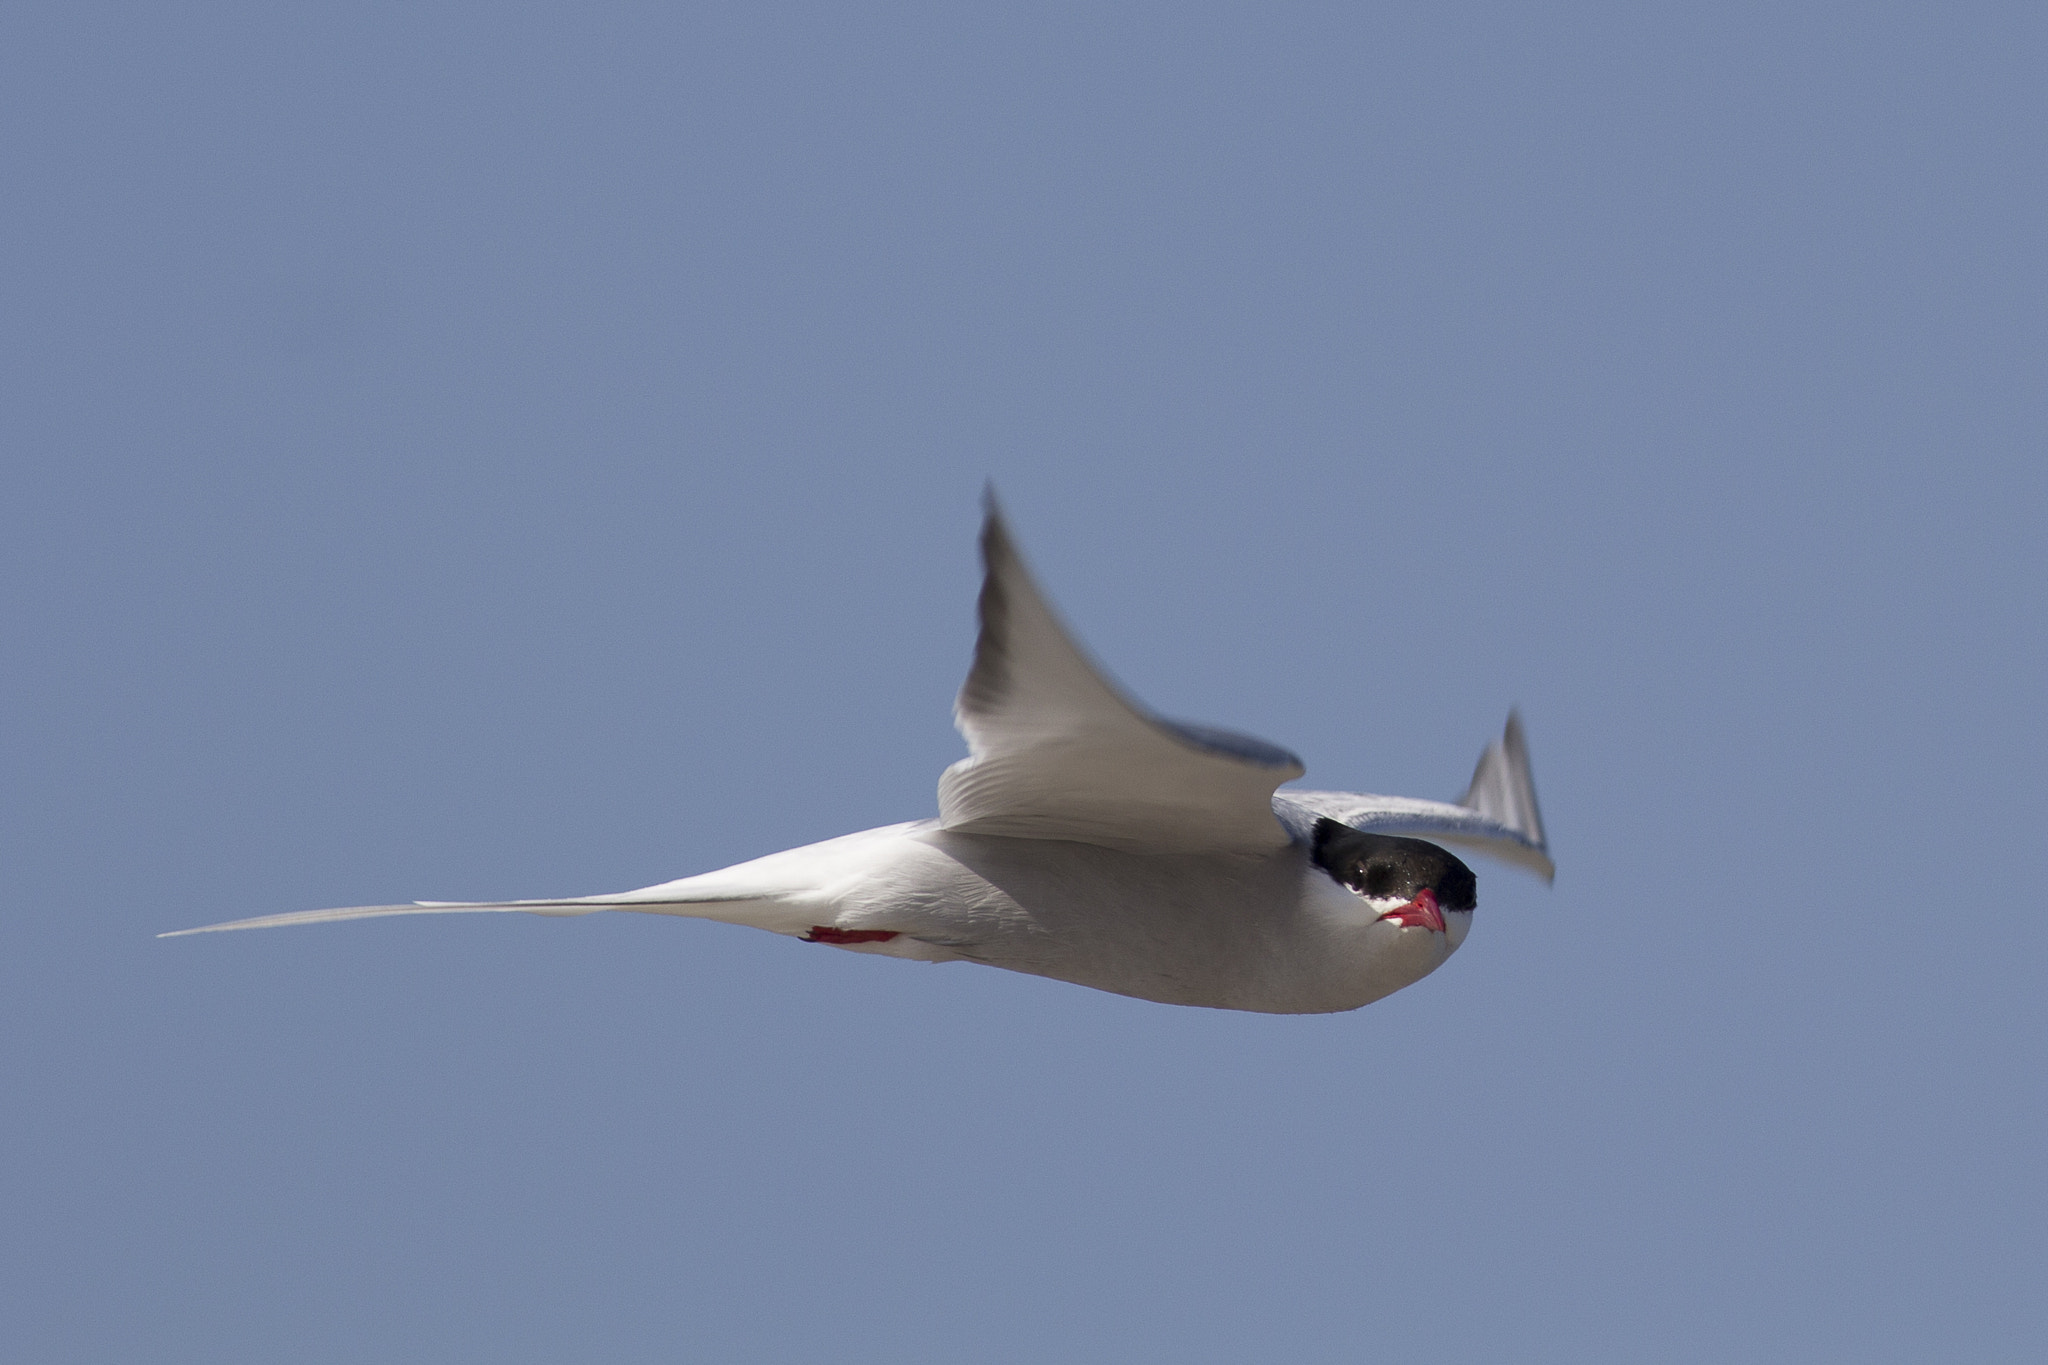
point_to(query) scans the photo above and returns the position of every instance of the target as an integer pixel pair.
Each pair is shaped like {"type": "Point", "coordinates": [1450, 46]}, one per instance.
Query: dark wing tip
{"type": "Point", "coordinates": [1504, 790]}
{"type": "Point", "coordinates": [996, 547]}
{"type": "Point", "coordinates": [1511, 738]}
{"type": "Point", "coordinates": [989, 675]}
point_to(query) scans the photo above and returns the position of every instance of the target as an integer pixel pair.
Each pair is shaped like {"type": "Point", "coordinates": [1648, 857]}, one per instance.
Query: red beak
{"type": "Point", "coordinates": [1423, 910]}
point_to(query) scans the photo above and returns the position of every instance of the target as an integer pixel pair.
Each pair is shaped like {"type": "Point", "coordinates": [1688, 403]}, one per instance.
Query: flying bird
{"type": "Point", "coordinates": [1086, 839]}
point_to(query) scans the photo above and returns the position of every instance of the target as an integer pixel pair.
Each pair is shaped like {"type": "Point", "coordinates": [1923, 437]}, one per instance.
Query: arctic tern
{"type": "Point", "coordinates": [1086, 839]}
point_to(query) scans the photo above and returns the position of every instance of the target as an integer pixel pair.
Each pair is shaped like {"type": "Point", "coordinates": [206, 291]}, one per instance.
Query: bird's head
{"type": "Point", "coordinates": [1408, 887]}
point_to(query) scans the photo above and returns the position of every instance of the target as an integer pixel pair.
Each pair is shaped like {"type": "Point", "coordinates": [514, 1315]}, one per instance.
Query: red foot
{"type": "Point", "coordinates": [824, 934]}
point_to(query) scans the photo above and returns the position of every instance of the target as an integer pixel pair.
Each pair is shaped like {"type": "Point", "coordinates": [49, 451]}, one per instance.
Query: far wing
{"type": "Point", "coordinates": [1497, 816]}
{"type": "Point", "coordinates": [1057, 751]}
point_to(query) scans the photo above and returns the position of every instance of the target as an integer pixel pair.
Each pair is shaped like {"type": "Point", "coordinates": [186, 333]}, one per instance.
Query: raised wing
{"type": "Point", "coordinates": [1497, 815]}
{"type": "Point", "coordinates": [1057, 751]}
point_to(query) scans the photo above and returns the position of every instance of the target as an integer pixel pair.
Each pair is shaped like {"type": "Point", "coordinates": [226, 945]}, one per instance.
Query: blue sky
{"type": "Point", "coordinates": [461, 451]}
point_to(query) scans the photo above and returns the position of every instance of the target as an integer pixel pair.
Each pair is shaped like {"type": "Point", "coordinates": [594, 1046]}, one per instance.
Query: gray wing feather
{"type": "Point", "coordinates": [1497, 816]}
{"type": "Point", "coordinates": [1503, 789]}
{"type": "Point", "coordinates": [1057, 751]}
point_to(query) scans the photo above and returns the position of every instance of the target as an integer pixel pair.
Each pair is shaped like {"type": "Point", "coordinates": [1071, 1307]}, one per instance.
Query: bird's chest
{"type": "Point", "coordinates": [1224, 931]}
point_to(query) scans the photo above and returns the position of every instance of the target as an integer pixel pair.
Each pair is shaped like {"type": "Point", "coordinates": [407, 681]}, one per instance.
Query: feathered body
{"type": "Point", "coordinates": [1087, 840]}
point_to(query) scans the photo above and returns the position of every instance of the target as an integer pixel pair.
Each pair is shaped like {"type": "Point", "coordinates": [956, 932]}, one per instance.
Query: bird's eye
{"type": "Point", "coordinates": [1377, 879]}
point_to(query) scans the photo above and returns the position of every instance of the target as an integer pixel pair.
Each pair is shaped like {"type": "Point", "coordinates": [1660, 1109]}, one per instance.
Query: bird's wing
{"type": "Point", "coordinates": [1496, 816]}
{"type": "Point", "coordinates": [1057, 751]}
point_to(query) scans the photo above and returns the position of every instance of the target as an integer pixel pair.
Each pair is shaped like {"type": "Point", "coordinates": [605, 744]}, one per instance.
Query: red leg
{"type": "Point", "coordinates": [821, 933]}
